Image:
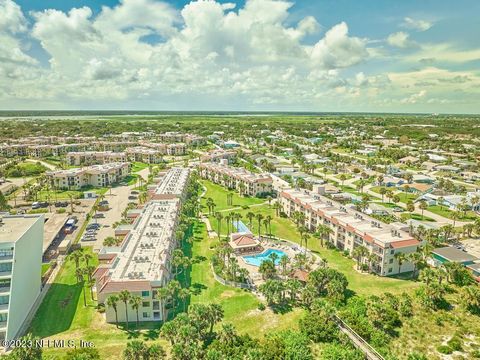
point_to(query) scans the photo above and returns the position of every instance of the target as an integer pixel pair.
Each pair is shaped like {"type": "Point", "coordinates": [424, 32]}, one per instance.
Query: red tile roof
{"type": "Point", "coordinates": [404, 243]}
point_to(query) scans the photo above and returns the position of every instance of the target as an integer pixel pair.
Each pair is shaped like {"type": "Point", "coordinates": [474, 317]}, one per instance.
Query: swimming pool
{"type": "Point", "coordinates": [256, 260]}
{"type": "Point", "coordinates": [241, 227]}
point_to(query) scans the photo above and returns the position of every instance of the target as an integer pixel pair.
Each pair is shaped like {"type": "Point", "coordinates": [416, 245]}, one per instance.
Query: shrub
{"type": "Point", "coordinates": [475, 354]}
{"type": "Point", "coordinates": [261, 307]}
{"type": "Point", "coordinates": [444, 349]}
{"type": "Point", "coordinates": [455, 344]}
{"type": "Point", "coordinates": [61, 211]}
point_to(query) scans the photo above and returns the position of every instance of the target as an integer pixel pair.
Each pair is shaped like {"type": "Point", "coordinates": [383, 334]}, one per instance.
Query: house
{"type": "Point", "coordinates": [450, 254]}
{"type": "Point", "coordinates": [407, 160]}
{"type": "Point", "coordinates": [417, 188]}
{"type": "Point", "coordinates": [376, 209]}
{"type": "Point", "coordinates": [422, 179]}
{"type": "Point", "coordinates": [392, 181]}
{"type": "Point", "coordinates": [230, 144]}
{"type": "Point", "coordinates": [436, 158]}
{"type": "Point", "coordinates": [447, 168]}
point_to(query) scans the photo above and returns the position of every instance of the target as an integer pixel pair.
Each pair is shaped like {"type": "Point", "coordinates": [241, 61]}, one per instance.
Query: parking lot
{"type": "Point", "coordinates": [117, 201]}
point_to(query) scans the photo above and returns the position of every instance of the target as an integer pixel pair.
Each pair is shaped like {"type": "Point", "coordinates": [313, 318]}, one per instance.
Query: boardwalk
{"type": "Point", "coordinates": [357, 340]}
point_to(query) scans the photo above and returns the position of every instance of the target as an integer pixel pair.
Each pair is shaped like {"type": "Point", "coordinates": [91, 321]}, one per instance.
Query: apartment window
{"type": "Point", "coordinates": [145, 293]}
{"type": "Point", "coordinates": [4, 300]}
{"type": "Point", "coordinates": [6, 252]}
{"type": "Point", "coordinates": [146, 304]}
{"type": "Point", "coordinates": [3, 318]}
{"type": "Point", "coordinates": [146, 315]}
{"type": "Point", "coordinates": [392, 252]}
{"type": "Point", "coordinates": [5, 267]}
{"type": "Point", "coordinates": [390, 261]}
{"type": "Point", "coordinates": [390, 270]}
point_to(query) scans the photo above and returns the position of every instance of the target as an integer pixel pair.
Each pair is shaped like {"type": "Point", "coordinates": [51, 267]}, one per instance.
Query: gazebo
{"type": "Point", "coordinates": [244, 243]}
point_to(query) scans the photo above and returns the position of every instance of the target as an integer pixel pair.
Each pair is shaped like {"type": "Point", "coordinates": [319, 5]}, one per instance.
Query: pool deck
{"type": "Point", "coordinates": [290, 249]}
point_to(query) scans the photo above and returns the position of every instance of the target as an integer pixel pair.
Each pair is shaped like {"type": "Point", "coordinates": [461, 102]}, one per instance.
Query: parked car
{"type": "Point", "coordinates": [61, 204]}
{"type": "Point", "coordinates": [98, 215]}
{"type": "Point", "coordinates": [39, 204]}
{"type": "Point", "coordinates": [134, 192]}
{"type": "Point", "coordinates": [398, 209]}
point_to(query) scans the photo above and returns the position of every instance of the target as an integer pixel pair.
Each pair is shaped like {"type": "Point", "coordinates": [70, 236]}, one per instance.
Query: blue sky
{"type": "Point", "coordinates": [324, 55]}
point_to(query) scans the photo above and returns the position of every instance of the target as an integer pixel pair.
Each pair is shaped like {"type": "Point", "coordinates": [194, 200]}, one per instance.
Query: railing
{"type": "Point", "coordinates": [231, 283]}
{"type": "Point", "coordinates": [359, 342]}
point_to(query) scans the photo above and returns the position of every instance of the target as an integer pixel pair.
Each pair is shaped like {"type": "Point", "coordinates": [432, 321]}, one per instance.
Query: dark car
{"type": "Point", "coordinates": [61, 204]}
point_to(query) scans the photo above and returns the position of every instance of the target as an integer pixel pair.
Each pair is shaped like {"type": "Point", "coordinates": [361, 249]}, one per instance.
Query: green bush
{"type": "Point", "coordinates": [444, 349]}
{"type": "Point", "coordinates": [455, 344]}
{"type": "Point", "coordinates": [261, 307]}
{"type": "Point", "coordinates": [61, 211]}
{"type": "Point", "coordinates": [37, 211]}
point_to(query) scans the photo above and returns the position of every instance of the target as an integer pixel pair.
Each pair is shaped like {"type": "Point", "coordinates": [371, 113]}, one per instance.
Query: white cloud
{"type": "Point", "coordinates": [338, 50]}
{"type": "Point", "coordinates": [206, 52]}
{"type": "Point", "coordinates": [414, 98]}
{"type": "Point", "coordinates": [401, 40]}
{"type": "Point", "coordinates": [416, 24]}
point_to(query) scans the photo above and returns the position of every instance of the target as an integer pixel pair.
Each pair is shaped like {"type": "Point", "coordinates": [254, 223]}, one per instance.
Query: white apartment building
{"type": "Point", "coordinates": [351, 228]}
{"type": "Point", "coordinates": [142, 263]}
{"type": "Point", "coordinates": [95, 175]}
{"type": "Point", "coordinates": [21, 239]}
{"type": "Point", "coordinates": [243, 181]}
{"type": "Point", "coordinates": [78, 158]}
{"type": "Point", "coordinates": [172, 185]}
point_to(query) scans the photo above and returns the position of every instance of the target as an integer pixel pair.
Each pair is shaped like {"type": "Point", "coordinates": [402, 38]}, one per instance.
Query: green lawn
{"type": "Point", "coordinates": [240, 306]}
{"type": "Point", "coordinates": [138, 166]}
{"type": "Point", "coordinates": [405, 198]}
{"type": "Point", "coordinates": [445, 212]}
{"type": "Point", "coordinates": [45, 268]}
{"type": "Point", "coordinates": [219, 197]}
{"type": "Point", "coordinates": [62, 315]}
{"type": "Point", "coordinates": [358, 282]}
{"type": "Point", "coordinates": [416, 217]}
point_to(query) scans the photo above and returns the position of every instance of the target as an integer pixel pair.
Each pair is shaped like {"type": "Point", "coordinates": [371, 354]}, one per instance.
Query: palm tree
{"type": "Point", "coordinates": [269, 219]}
{"type": "Point", "coordinates": [76, 256]}
{"type": "Point", "coordinates": [259, 219]}
{"type": "Point", "coordinates": [79, 272]}
{"type": "Point", "coordinates": [183, 294]}
{"type": "Point", "coordinates": [277, 206]}
{"type": "Point", "coordinates": [91, 284]}
{"type": "Point", "coordinates": [163, 295]}
{"type": "Point", "coordinates": [124, 296]}
{"type": "Point", "coordinates": [322, 232]}
{"type": "Point", "coordinates": [401, 257]}
{"type": "Point", "coordinates": [359, 252]}
{"type": "Point", "coordinates": [112, 301]}
{"type": "Point", "coordinates": [87, 257]}
{"type": "Point", "coordinates": [219, 218]}
{"type": "Point", "coordinates": [423, 206]}
{"type": "Point", "coordinates": [250, 217]}
{"type": "Point", "coordinates": [135, 301]}
{"type": "Point", "coordinates": [284, 260]}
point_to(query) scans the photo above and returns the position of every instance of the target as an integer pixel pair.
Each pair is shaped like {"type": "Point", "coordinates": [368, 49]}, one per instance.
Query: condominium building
{"type": "Point", "coordinates": [243, 181]}
{"type": "Point", "coordinates": [172, 185]}
{"type": "Point", "coordinates": [94, 157]}
{"type": "Point", "coordinates": [141, 264]}
{"type": "Point", "coordinates": [95, 175]}
{"type": "Point", "coordinates": [21, 239]}
{"type": "Point", "coordinates": [351, 228]}
{"type": "Point", "coordinates": [145, 155]}
{"type": "Point", "coordinates": [219, 155]}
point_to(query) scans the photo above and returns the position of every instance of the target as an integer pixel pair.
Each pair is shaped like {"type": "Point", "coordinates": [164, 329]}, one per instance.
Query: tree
{"type": "Point", "coordinates": [358, 253]}
{"type": "Point", "coordinates": [112, 302]}
{"type": "Point", "coordinates": [319, 326]}
{"type": "Point", "coordinates": [250, 217]}
{"type": "Point", "coordinates": [33, 352]}
{"type": "Point", "coordinates": [267, 269]}
{"type": "Point", "coordinates": [278, 207]}
{"type": "Point", "coordinates": [219, 218]}
{"type": "Point", "coordinates": [284, 261]}
{"type": "Point", "coordinates": [183, 294]}
{"type": "Point", "coordinates": [382, 192]}
{"type": "Point", "coordinates": [470, 298]}
{"type": "Point", "coordinates": [323, 231]}
{"type": "Point", "coordinates": [76, 256]}
{"type": "Point", "coordinates": [3, 203]}
{"type": "Point", "coordinates": [139, 350]}
{"type": "Point", "coordinates": [423, 206]}
{"type": "Point", "coordinates": [124, 296]}
{"type": "Point", "coordinates": [259, 220]}
{"type": "Point", "coordinates": [82, 354]}
{"type": "Point", "coordinates": [410, 206]}
{"type": "Point", "coordinates": [135, 301]}
{"type": "Point", "coordinates": [214, 314]}
{"type": "Point", "coordinates": [400, 257]}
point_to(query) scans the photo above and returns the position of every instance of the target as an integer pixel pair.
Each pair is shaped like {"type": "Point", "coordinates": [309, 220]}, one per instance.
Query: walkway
{"type": "Point", "coordinates": [357, 340]}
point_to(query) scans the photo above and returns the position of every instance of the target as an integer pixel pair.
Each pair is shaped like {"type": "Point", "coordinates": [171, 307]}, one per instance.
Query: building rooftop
{"type": "Point", "coordinates": [454, 255]}
{"type": "Point", "coordinates": [363, 225]}
{"type": "Point", "coordinates": [12, 227]}
{"type": "Point", "coordinates": [173, 182]}
{"type": "Point", "coordinates": [149, 244]}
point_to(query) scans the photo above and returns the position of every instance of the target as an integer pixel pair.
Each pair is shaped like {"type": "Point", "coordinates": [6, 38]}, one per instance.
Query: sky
{"type": "Point", "coordinates": [251, 55]}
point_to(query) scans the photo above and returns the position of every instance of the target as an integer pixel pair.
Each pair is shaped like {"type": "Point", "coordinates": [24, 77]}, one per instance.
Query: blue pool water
{"type": "Point", "coordinates": [241, 227]}
{"type": "Point", "coordinates": [256, 260]}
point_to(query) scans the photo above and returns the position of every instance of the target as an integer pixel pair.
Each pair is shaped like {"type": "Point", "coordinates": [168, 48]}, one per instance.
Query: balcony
{"type": "Point", "coordinates": [6, 258]}
{"type": "Point", "coordinates": [3, 307]}
{"type": "Point", "coordinates": [6, 273]}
